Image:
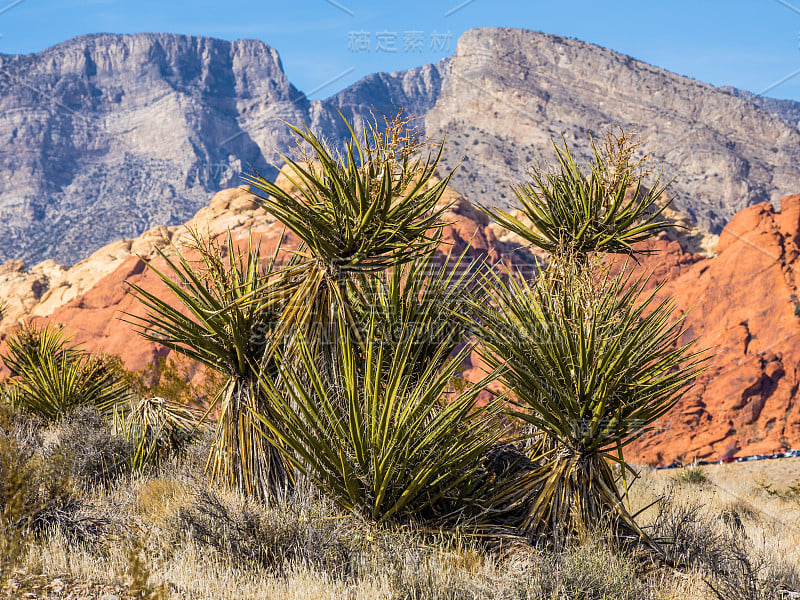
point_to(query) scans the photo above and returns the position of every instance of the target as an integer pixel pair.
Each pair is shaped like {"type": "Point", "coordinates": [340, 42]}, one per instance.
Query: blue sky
{"type": "Point", "coordinates": [751, 44]}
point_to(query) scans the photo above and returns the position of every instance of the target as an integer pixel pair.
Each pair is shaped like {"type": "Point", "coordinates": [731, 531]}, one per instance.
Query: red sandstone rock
{"type": "Point", "coordinates": [744, 305]}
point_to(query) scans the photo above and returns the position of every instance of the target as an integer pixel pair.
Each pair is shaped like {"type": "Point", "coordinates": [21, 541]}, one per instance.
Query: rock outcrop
{"type": "Point", "coordinates": [91, 298]}
{"type": "Point", "coordinates": [744, 305]}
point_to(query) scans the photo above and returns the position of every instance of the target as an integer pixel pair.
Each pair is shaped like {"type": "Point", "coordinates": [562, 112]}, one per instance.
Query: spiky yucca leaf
{"type": "Point", "coordinates": [606, 209]}
{"type": "Point", "coordinates": [53, 377]}
{"type": "Point", "coordinates": [591, 363]}
{"type": "Point", "coordinates": [434, 296]}
{"type": "Point", "coordinates": [231, 313]}
{"type": "Point", "coordinates": [359, 212]}
{"type": "Point", "coordinates": [155, 427]}
{"type": "Point", "coordinates": [377, 437]}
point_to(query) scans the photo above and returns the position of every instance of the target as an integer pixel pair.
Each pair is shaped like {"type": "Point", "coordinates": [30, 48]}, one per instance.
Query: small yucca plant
{"type": "Point", "coordinates": [219, 313]}
{"type": "Point", "coordinates": [51, 377]}
{"type": "Point", "coordinates": [376, 435]}
{"type": "Point", "coordinates": [155, 427]}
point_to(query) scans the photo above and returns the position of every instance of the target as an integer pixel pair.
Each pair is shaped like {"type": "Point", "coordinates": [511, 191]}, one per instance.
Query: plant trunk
{"type": "Point", "coordinates": [241, 458]}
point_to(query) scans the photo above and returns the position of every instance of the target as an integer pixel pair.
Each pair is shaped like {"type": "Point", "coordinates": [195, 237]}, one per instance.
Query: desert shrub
{"type": "Point", "coordinates": [790, 492]}
{"type": "Point", "coordinates": [155, 428]}
{"type": "Point", "coordinates": [689, 537]}
{"type": "Point", "coordinates": [718, 546]}
{"type": "Point", "coordinates": [303, 529]}
{"type": "Point", "coordinates": [36, 498]}
{"type": "Point", "coordinates": [592, 362]}
{"type": "Point", "coordinates": [604, 207]}
{"type": "Point", "coordinates": [454, 568]}
{"type": "Point", "coordinates": [693, 474]}
{"type": "Point", "coordinates": [30, 484]}
{"type": "Point", "coordinates": [589, 353]}
{"type": "Point", "coordinates": [590, 569]}
{"type": "Point", "coordinates": [229, 321]}
{"type": "Point", "coordinates": [371, 207]}
{"type": "Point", "coordinates": [24, 427]}
{"type": "Point", "coordinates": [95, 453]}
{"type": "Point", "coordinates": [169, 378]}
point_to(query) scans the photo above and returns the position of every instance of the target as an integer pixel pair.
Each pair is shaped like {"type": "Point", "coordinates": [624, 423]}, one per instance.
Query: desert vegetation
{"type": "Point", "coordinates": [337, 451]}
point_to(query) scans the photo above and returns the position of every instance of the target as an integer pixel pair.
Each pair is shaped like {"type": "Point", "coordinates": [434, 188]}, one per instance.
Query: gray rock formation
{"type": "Point", "coordinates": [105, 136]}
{"type": "Point", "coordinates": [788, 110]}
{"type": "Point", "coordinates": [509, 92]}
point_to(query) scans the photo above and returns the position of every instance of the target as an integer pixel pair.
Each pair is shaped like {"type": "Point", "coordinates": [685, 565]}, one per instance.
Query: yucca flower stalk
{"type": "Point", "coordinates": [376, 435]}
{"type": "Point", "coordinates": [206, 319]}
{"type": "Point", "coordinates": [358, 212]}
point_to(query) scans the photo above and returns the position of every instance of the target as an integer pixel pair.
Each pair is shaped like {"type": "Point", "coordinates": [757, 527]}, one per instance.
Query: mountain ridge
{"type": "Point", "coordinates": [105, 136]}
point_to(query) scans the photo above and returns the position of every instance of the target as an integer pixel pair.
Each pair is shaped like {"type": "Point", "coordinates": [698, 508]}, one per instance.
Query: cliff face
{"type": "Point", "coordinates": [788, 110]}
{"type": "Point", "coordinates": [106, 136]}
{"type": "Point", "coordinates": [509, 92]}
{"type": "Point", "coordinates": [744, 305]}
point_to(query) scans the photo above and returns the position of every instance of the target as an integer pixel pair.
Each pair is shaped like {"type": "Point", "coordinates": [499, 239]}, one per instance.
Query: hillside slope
{"type": "Point", "coordinates": [509, 92]}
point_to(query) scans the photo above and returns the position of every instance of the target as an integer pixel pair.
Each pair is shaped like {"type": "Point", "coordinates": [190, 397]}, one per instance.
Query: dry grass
{"type": "Point", "coordinates": [746, 541]}
{"type": "Point", "coordinates": [167, 535]}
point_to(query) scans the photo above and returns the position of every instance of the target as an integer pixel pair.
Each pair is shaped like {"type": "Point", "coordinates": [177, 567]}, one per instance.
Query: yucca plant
{"type": "Point", "coordinates": [31, 343]}
{"type": "Point", "coordinates": [435, 295]}
{"type": "Point", "coordinates": [51, 377]}
{"type": "Point", "coordinates": [155, 427]}
{"type": "Point", "coordinates": [591, 365]}
{"type": "Point", "coordinates": [205, 318]}
{"type": "Point", "coordinates": [358, 212]}
{"type": "Point", "coordinates": [377, 436]}
{"type": "Point", "coordinates": [600, 207]}
{"type": "Point", "coordinates": [590, 358]}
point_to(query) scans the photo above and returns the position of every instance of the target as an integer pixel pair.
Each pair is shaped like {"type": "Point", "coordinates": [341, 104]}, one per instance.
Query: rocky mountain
{"type": "Point", "coordinates": [509, 92]}
{"type": "Point", "coordinates": [105, 136]}
{"type": "Point", "coordinates": [788, 110]}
